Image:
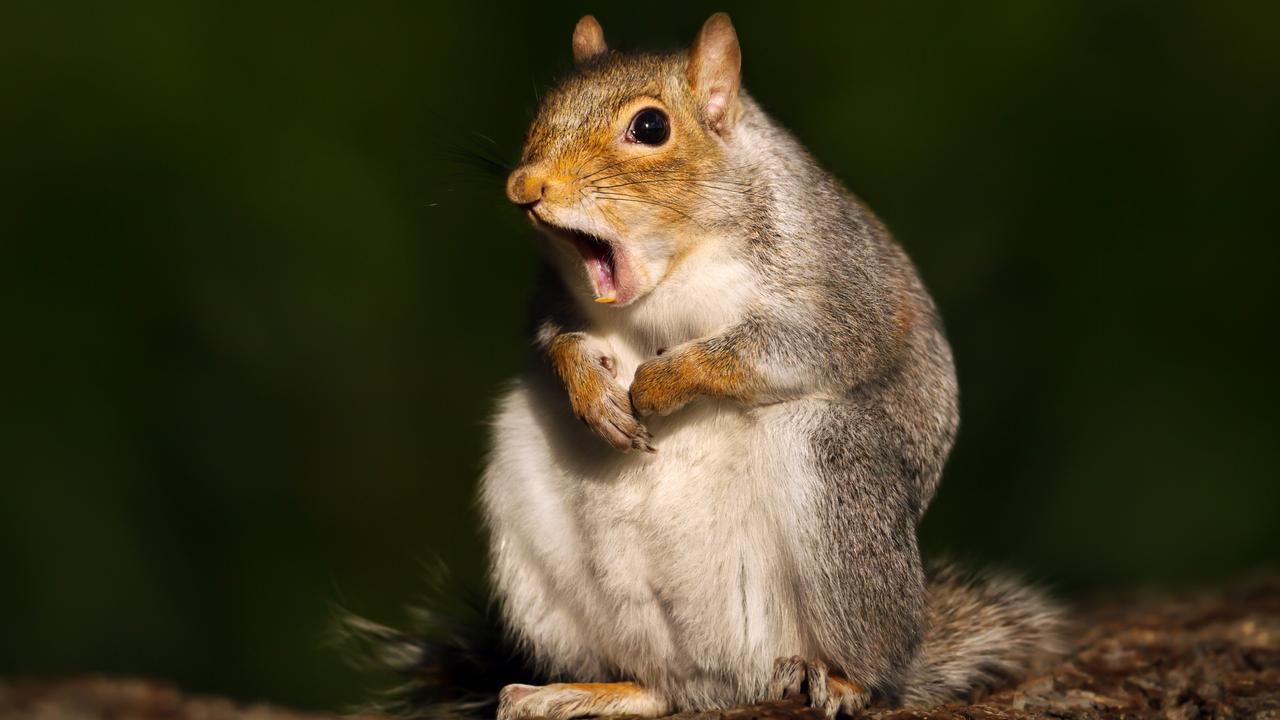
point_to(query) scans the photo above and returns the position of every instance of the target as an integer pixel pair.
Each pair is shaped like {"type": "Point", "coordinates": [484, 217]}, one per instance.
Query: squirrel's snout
{"type": "Point", "coordinates": [530, 185]}
{"type": "Point", "coordinates": [526, 186]}
{"type": "Point", "coordinates": [523, 188]}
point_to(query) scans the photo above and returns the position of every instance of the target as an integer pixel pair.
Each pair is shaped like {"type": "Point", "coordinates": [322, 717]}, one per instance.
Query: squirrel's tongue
{"type": "Point", "coordinates": [601, 270]}
{"type": "Point", "coordinates": [599, 260]}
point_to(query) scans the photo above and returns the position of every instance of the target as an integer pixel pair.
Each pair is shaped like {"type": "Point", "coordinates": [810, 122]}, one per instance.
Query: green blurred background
{"type": "Point", "coordinates": [255, 309]}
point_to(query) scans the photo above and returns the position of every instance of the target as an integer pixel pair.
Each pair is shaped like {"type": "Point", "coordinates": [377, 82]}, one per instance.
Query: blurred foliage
{"type": "Point", "coordinates": [255, 310]}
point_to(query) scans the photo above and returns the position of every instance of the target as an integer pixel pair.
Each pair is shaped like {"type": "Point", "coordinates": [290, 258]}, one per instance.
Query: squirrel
{"type": "Point", "coordinates": [704, 490]}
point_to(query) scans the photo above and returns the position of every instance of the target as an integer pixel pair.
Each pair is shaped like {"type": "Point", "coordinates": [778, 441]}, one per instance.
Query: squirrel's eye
{"type": "Point", "coordinates": [649, 127]}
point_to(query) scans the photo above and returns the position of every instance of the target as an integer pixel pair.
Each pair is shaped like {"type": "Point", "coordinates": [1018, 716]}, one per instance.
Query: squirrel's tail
{"type": "Point", "coordinates": [452, 661]}
{"type": "Point", "coordinates": [984, 630]}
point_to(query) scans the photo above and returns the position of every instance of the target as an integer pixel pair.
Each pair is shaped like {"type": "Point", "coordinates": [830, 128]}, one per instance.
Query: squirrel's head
{"type": "Point", "coordinates": [626, 166]}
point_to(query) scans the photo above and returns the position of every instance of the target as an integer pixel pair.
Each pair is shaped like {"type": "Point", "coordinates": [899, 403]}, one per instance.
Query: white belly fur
{"type": "Point", "coordinates": [665, 567]}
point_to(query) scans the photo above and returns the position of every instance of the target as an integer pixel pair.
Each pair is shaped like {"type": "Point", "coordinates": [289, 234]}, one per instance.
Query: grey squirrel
{"type": "Point", "coordinates": [776, 400]}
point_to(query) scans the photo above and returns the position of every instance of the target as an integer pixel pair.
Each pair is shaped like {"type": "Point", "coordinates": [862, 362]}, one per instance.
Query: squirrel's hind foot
{"type": "Point", "coordinates": [563, 701]}
{"type": "Point", "coordinates": [809, 680]}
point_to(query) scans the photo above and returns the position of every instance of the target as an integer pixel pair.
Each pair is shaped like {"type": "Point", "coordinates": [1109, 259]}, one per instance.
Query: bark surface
{"type": "Point", "coordinates": [1209, 655]}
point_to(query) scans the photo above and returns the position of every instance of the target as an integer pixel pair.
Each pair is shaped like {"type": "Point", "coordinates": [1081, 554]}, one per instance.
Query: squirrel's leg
{"type": "Point", "coordinates": [561, 701]}
{"type": "Point", "coordinates": [866, 599]}
{"type": "Point", "coordinates": [797, 678]}
{"type": "Point", "coordinates": [594, 392]}
{"type": "Point", "coordinates": [852, 540]}
{"type": "Point", "coordinates": [702, 368]}
{"type": "Point", "coordinates": [756, 361]}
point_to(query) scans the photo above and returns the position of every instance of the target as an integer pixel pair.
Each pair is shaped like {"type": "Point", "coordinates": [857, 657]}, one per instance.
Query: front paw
{"type": "Point", "coordinates": [600, 402]}
{"type": "Point", "coordinates": [809, 681]}
{"type": "Point", "coordinates": [612, 418]}
{"type": "Point", "coordinates": [662, 385]}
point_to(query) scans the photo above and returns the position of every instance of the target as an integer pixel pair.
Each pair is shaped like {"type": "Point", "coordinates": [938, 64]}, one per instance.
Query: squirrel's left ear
{"type": "Point", "coordinates": [588, 40]}
{"type": "Point", "coordinates": [715, 70]}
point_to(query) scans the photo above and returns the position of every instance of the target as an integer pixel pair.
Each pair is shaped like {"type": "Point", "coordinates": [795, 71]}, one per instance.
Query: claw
{"type": "Point", "coordinates": [643, 441]}
{"type": "Point", "coordinates": [809, 681]}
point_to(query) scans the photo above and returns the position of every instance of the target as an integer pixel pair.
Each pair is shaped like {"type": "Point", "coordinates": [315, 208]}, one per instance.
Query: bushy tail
{"type": "Point", "coordinates": [984, 631]}
{"type": "Point", "coordinates": [453, 660]}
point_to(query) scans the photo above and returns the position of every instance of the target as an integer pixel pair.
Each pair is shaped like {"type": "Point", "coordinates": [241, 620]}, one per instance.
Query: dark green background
{"type": "Point", "coordinates": [255, 311]}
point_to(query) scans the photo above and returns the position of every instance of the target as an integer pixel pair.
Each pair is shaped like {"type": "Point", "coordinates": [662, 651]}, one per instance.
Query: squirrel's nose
{"type": "Point", "coordinates": [531, 184]}
{"type": "Point", "coordinates": [526, 187]}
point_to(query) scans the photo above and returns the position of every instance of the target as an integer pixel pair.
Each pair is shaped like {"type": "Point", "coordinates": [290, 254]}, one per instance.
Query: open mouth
{"type": "Point", "coordinates": [599, 256]}
{"type": "Point", "coordinates": [601, 264]}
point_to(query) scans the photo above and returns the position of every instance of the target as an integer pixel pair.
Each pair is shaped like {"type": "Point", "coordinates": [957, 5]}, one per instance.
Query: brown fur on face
{"type": "Point", "coordinates": [670, 381]}
{"type": "Point", "coordinates": [656, 202]}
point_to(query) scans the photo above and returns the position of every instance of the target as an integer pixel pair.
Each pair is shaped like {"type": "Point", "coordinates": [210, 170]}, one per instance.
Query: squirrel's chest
{"type": "Point", "coordinates": [650, 558]}
{"type": "Point", "coordinates": [685, 537]}
{"type": "Point", "coordinates": [703, 465]}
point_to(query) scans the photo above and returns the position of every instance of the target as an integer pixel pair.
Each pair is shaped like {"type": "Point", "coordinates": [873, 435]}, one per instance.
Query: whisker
{"type": "Point", "coordinates": [723, 209]}
{"type": "Point", "coordinates": [606, 167]}
{"type": "Point", "coordinates": [707, 174]}
{"type": "Point", "coordinates": [482, 136]}
{"type": "Point", "coordinates": [613, 165]}
{"type": "Point", "coordinates": [703, 183]}
{"type": "Point", "coordinates": [578, 169]}
{"type": "Point", "coordinates": [475, 159]}
{"type": "Point", "coordinates": [631, 198]}
{"type": "Point", "coordinates": [676, 193]}
{"type": "Point", "coordinates": [592, 204]}
{"type": "Point", "coordinates": [690, 178]}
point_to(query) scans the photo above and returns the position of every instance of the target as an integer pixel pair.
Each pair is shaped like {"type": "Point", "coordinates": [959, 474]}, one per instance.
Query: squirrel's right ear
{"type": "Point", "coordinates": [588, 40]}
{"type": "Point", "coordinates": [715, 70]}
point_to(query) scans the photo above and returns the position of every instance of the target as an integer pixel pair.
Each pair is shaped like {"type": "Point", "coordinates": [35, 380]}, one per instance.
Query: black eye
{"type": "Point", "coordinates": [649, 127]}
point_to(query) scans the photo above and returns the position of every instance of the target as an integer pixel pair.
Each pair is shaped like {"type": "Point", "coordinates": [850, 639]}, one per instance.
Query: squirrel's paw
{"type": "Point", "coordinates": [809, 681]}
{"type": "Point", "coordinates": [662, 385]}
{"type": "Point", "coordinates": [605, 407]}
{"type": "Point", "coordinates": [562, 701]}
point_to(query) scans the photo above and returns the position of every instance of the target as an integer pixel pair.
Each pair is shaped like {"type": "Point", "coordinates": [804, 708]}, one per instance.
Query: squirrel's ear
{"type": "Point", "coordinates": [715, 69]}
{"type": "Point", "coordinates": [588, 40]}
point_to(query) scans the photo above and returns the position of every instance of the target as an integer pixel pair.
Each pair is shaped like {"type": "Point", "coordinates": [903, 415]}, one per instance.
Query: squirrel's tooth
{"type": "Point", "coordinates": [607, 299]}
